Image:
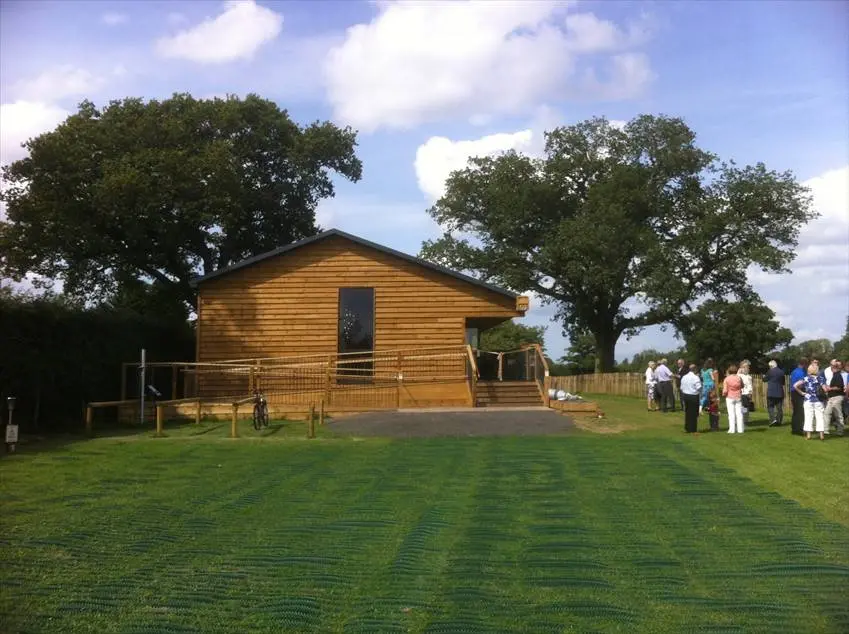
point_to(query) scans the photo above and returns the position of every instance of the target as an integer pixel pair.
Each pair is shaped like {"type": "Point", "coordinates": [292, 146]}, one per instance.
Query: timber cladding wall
{"type": "Point", "coordinates": [288, 305]}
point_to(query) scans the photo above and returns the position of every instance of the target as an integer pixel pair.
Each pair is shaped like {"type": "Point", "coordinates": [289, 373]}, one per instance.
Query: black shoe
{"type": "Point", "coordinates": [774, 423]}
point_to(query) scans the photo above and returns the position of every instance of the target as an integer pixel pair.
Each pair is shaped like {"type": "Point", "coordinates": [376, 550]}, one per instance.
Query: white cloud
{"type": "Point", "coordinates": [237, 33]}
{"type": "Point", "coordinates": [356, 214]}
{"type": "Point", "coordinates": [813, 299]}
{"type": "Point", "coordinates": [809, 334]}
{"type": "Point", "coordinates": [23, 120]}
{"type": "Point", "coordinates": [831, 193]}
{"type": "Point", "coordinates": [783, 310]}
{"type": "Point", "coordinates": [836, 285]}
{"type": "Point", "coordinates": [821, 255]}
{"type": "Point", "coordinates": [58, 83]}
{"type": "Point", "coordinates": [175, 18]}
{"type": "Point", "coordinates": [114, 19]}
{"type": "Point", "coordinates": [626, 76]}
{"type": "Point", "coordinates": [439, 156]}
{"type": "Point", "coordinates": [760, 278]}
{"type": "Point", "coordinates": [586, 33]}
{"type": "Point", "coordinates": [420, 61]}
{"type": "Point", "coordinates": [824, 242]}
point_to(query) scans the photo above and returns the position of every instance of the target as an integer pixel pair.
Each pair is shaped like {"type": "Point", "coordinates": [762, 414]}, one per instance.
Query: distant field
{"type": "Point", "coordinates": [640, 529]}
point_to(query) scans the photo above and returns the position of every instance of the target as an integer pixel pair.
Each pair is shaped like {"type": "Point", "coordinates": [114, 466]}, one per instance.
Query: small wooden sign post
{"type": "Point", "coordinates": [11, 429]}
{"type": "Point", "coordinates": [233, 430]}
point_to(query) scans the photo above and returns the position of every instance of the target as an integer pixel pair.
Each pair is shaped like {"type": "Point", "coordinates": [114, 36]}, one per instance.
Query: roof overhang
{"type": "Point", "coordinates": [520, 300]}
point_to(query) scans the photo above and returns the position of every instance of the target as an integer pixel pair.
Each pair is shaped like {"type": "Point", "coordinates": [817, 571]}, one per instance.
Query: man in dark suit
{"type": "Point", "coordinates": [774, 379]}
{"type": "Point", "coordinates": [797, 399]}
{"type": "Point", "coordinates": [680, 373]}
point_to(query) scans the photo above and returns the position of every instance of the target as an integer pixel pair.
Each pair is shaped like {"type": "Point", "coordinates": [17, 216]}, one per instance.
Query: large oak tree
{"type": "Point", "coordinates": [157, 192]}
{"type": "Point", "coordinates": [608, 216]}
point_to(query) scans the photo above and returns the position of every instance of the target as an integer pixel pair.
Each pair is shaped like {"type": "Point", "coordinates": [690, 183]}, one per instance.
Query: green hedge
{"type": "Point", "coordinates": [55, 357]}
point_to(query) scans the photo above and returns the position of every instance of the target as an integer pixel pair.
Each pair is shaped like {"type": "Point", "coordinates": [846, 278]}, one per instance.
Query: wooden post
{"type": "Point", "coordinates": [399, 383]}
{"type": "Point", "coordinates": [233, 432]}
{"type": "Point", "coordinates": [197, 413]}
{"type": "Point", "coordinates": [89, 419]}
{"type": "Point", "coordinates": [159, 420]}
{"type": "Point", "coordinates": [174, 370]}
{"type": "Point", "coordinates": [500, 366]}
{"type": "Point", "coordinates": [328, 379]}
{"type": "Point", "coordinates": [321, 414]}
{"type": "Point", "coordinates": [311, 423]}
{"type": "Point", "coordinates": [124, 381]}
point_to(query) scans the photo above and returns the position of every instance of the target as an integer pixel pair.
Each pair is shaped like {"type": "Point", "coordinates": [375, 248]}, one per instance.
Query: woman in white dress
{"type": "Point", "coordinates": [746, 395]}
{"type": "Point", "coordinates": [651, 383]}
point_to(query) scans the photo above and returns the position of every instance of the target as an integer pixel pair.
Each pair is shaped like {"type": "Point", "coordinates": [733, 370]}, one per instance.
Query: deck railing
{"type": "Point", "coordinates": [359, 380]}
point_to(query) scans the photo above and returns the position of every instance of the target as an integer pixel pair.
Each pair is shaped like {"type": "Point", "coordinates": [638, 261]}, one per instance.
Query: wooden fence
{"type": "Point", "coordinates": [634, 384]}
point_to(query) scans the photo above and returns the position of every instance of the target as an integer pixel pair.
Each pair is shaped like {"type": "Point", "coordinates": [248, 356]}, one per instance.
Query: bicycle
{"type": "Point", "coordinates": [260, 410]}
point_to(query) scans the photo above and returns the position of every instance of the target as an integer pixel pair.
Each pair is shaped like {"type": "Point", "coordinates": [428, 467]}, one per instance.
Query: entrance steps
{"type": "Point", "coordinates": [508, 394]}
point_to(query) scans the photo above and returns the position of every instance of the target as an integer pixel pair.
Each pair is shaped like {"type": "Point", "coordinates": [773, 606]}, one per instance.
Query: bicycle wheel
{"type": "Point", "coordinates": [257, 417]}
{"type": "Point", "coordinates": [264, 415]}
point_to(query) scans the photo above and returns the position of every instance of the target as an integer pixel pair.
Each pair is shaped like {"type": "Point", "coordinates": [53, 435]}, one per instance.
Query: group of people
{"type": "Point", "coordinates": [820, 398]}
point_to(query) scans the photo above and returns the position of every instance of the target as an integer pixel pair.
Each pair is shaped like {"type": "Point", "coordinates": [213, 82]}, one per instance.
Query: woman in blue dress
{"type": "Point", "coordinates": [710, 377]}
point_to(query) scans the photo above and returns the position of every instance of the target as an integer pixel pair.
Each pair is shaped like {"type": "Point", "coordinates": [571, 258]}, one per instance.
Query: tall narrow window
{"type": "Point", "coordinates": [356, 333]}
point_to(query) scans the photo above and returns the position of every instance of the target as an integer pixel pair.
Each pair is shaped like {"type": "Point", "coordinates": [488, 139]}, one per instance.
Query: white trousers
{"type": "Point", "coordinates": [814, 411]}
{"type": "Point", "coordinates": [735, 415]}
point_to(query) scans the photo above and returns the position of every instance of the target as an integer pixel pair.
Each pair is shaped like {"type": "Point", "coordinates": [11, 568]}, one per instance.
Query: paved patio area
{"type": "Point", "coordinates": [521, 421]}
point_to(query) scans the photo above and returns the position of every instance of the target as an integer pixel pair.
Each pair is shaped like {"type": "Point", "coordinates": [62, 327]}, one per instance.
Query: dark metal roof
{"type": "Point", "coordinates": [361, 241]}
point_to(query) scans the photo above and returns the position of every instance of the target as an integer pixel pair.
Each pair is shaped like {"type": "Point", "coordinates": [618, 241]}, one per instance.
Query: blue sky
{"type": "Point", "coordinates": [428, 84]}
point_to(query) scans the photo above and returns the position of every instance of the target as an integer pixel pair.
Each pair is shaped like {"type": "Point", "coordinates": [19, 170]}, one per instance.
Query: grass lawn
{"type": "Point", "coordinates": [643, 530]}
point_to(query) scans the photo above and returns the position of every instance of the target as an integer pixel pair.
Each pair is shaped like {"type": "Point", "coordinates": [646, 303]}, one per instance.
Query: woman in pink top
{"type": "Point", "coordinates": [732, 390]}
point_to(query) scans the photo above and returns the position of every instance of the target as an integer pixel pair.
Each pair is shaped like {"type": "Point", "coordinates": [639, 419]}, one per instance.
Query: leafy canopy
{"type": "Point", "coordinates": [160, 191]}
{"type": "Point", "coordinates": [618, 228]}
{"type": "Point", "coordinates": [511, 336]}
{"type": "Point", "coordinates": [732, 331]}
{"type": "Point", "coordinates": [841, 346]}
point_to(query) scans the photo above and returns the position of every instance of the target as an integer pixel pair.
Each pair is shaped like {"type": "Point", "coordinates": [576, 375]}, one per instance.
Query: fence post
{"type": "Point", "coordinates": [500, 366]}
{"type": "Point", "coordinates": [233, 432]}
{"type": "Point", "coordinates": [311, 423]}
{"type": "Point", "coordinates": [89, 419]}
{"type": "Point", "coordinates": [197, 412]}
{"type": "Point", "coordinates": [124, 381]}
{"type": "Point", "coordinates": [400, 378]}
{"type": "Point", "coordinates": [158, 421]}
{"type": "Point", "coordinates": [174, 370]}
{"type": "Point", "coordinates": [321, 414]}
{"type": "Point", "coordinates": [328, 379]}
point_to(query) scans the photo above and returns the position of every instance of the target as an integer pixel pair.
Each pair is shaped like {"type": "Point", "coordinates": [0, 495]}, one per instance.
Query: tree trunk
{"type": "Point", "coordinates": [605, 351]}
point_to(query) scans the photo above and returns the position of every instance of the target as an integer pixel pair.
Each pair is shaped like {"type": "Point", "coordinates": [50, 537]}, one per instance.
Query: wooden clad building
{"type": "Point", "coordinates": [335, 294]}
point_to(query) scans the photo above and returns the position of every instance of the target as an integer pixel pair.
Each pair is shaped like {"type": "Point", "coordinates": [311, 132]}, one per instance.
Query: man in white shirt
{"type": "Point", "coordinates": [836, 380]}
{"type": "Point", "coordinates": [691, 391]}
{"type": "Point", "coordinates": [664, 386]}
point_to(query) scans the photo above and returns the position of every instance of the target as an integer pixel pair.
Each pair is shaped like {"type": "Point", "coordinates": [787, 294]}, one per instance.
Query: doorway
{"type": "Point", "coordinates": [356, 335]}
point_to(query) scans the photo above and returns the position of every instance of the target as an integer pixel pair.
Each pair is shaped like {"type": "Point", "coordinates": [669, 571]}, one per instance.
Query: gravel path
{"type": "Point", "coordinates": [472, 422]}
